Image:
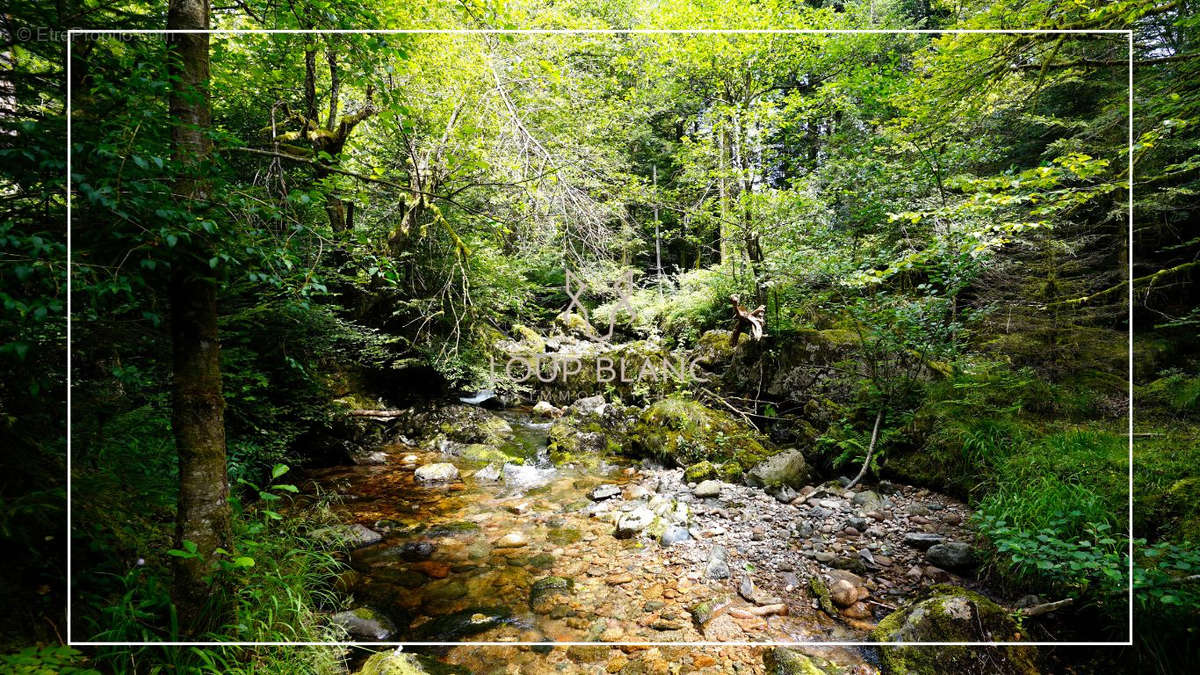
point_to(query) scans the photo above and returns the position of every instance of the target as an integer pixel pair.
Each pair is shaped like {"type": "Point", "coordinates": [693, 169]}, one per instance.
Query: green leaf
{"type": "Point", "coordinates": [278, 470]}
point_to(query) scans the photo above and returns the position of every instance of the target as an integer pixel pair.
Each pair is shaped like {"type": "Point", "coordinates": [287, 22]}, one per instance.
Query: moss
{"type": "Point", "coordinates": [452, 528]}
{"type": "Point", "coordinates": [731, 472]}
{"type": "Point", "coordinates": [563, 536]}
{"type": "Point", "coordinates": [546, 591]}
{"type": "Point", "coordinates": [821, 592]}
{"type": "Point", "coordinates": [391, 663]}
{"type": "Point", "coordinates": [530, 339]}
{"type": "Point", "coordinates": [574, 324]}
{"type": "Point", "coordinates": [783, 661]}
{"type": "Point", "coordinates": [944, 613]}
{"type": "Point", "coordinates": [687, 432]}
{"type": "Point", "coordinates": [700, 471]}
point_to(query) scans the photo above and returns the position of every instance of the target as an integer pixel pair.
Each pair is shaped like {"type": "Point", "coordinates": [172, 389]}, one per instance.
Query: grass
{"type": "Point", "coordinates": [124, 528]}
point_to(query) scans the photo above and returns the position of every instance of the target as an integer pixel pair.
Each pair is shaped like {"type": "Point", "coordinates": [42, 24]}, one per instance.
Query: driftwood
{"type": "Point", "coordinates": [1047, 607]}
{"type": "Point", "coordinates": [377, 414]}
{"type": "Point", "coordinates": [745, 320]}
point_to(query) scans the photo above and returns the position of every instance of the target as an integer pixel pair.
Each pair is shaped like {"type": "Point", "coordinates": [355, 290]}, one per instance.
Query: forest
{"type": "Point", "coordinates": [611, 324]}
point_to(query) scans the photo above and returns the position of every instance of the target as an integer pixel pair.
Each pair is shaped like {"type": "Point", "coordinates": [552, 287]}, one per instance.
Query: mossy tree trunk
{"type": "Point", "coordinates": [198, 407]}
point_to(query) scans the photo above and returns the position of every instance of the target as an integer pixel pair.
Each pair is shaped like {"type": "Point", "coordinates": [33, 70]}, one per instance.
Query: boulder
{"type": "Point", "coordinates": [714, 348]}
{"type": "Point", "coordinates": [954, 555]}
{"type": "Point", "coordinates": [686, 432]}
{"type": "Point", "coordinates": [843, 593]}
{"type": "Point", "coordinates": [943, 613]}
{"type": "Point", "coordinates": [575, 325]}
{"type": "Point", "coordinates": [365, 624]}
{"type": "Point", "coordinates": [785, 469]}
{"type": "Point", "coordinates": [708, 488]}
{"type": "Point", "coordinates": [441, 472]}
{"type": "Point", "coordinates": [455, 422]}
{"type": "Point", "coordinates": [415, 551]}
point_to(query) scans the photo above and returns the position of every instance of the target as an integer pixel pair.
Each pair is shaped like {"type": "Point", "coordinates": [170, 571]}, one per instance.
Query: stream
{"type": "Point", "coordinates": [535, 556]}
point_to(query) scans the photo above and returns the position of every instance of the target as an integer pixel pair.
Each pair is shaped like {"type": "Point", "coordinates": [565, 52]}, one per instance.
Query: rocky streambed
{"type": "Point", "coordinates": [472, 533]}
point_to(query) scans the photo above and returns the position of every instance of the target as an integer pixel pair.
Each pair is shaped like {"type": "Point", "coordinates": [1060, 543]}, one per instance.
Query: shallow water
{"type": "Point", "coordinates": [460, 561]}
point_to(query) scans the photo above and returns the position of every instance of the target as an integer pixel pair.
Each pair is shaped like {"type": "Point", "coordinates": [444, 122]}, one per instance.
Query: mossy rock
{"type": "Point", "coordinates": [458, 423]}
{"type": "Point", "coordinates": [687, 432]}
{"type": "Point", "coordinates": [452, 528]}
{"type": "Point", "coordinates": [945, 613]}
{"type": "Point", "coordinates": [564, 536]}
{"type": "Point", "coordinates": [575, 325]}
{"type": "Point", "coordinates": [700, 471]}
{"type": "Point", "coordinates": [784, 661]}
{"type": "Point", "coordinates": [821, 592]}
{"type": "Point", "coordinates": [571, 444]}
{"type": "Point", "coordinates": [714, 348]}
{"type": "Point", "coordinates": [547, 591]}
{"type": "Point", "coordinates": [391, 662]}
{"type": "Point", "coordinates": [529, 339]}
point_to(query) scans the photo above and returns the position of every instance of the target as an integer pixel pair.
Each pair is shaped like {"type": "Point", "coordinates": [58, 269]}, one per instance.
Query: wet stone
{"type": "Point", "coordinates": [922, 540]}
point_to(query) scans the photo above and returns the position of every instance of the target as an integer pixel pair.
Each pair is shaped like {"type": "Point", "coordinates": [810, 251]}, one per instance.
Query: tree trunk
{"type": "Point", "coordinates": [198, 408]}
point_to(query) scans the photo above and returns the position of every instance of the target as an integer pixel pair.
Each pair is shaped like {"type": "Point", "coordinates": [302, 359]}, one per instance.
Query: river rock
{"type": "Point", "coordinates": [922, 540]}
{"type": "Point", "coordinates": [546, 592]}
{"type": "Point", "coordinates": [867, 500]}
{"type": "Point", "coordinates": [717, 567]}
{"type": "Point", "coordinates": [456, 626]}
{"type": "Point", "coordinates": [700, 471]}
{"type": "Point", "coordinates": [954, 555]}
{"type": "Point", "coordinates": [442, 472]}
{"type": "Point", "coordinates": [592, 405]}
{"type": "Point", "coordinates": [786, 468]}
{"type": "Point", "coordinates": [634, 522]}
{"type": "Point", "coordinates": [546, 409]}
{"type": "Point", "coordinates": [415, 551]}
{"type": "Point", "coordinates": [708, 488]}
{"type": "Point", "coordinates": [843, 593]}
{"type": "Point", "coordinates": [602, 492]}
{"type": "Point", "coordinates": [352, 536]}
{"type": "Point", "coordinates": [512, 540]}
{"type": "Point", "coordinates": [943, 613]}
{"type": "Point", "coordinates": [365, 623]}
{"type": "Point", "coordinates": [489, 474]}
{"type": "Point", "coordinates": [784, 494]}
{"type": "Point", "coordinates": [674, 534]}
{"type": "Point", "coordinates": [723, 628]}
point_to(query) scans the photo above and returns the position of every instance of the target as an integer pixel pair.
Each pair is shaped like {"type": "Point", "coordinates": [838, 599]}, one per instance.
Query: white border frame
{"type": "Point", "coordinates": [1128, 33]}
